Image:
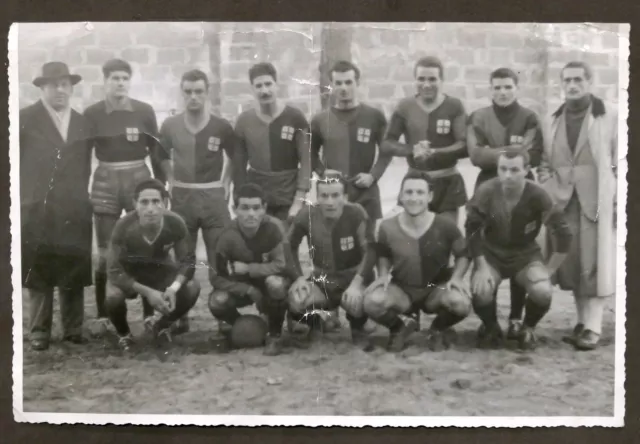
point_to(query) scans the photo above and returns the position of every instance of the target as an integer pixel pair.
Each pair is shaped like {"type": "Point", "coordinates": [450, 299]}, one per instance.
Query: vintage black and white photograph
{"type": "Point", "coordinates": [320, 224]}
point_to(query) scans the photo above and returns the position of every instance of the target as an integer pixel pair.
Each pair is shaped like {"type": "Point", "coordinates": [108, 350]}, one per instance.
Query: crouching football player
{"type": "Point", "coordinates": [340, 239]}
{"type": "Point", "coordinates": [413, 249]}
{"type": "Point", "coordinates": [503, 221]}
{"type": "Point", "coordinates": [252, 264]}
{"type": "Point", "coordinates": [139, 262]}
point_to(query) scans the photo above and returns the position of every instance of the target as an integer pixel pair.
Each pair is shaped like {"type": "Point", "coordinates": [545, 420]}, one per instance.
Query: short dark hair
{"type": "Point", "coordinates": [513, 152]}
{"type": "Point", "coordinates": [193, 76]}
{"type": "Point", "coordinates": [332, 176]}
{"type": "Point", "coordinates": [262, 69]}
{"type": "Point", "coordinates": [416, 175]}
{"type": "Point", "coordinates": [344, 66]}
{"type": "Point", "coordinates": [115, 65]}
{"type": "Point", "coordinates": [430, 62]}
{"type": "Point", "coordinates": [150, 184]}
{"type": "Point", "coordinates": [249, 191]}
{"type": "Point", "coordinates": [504, 73]}
{"type": "Point", "coordinates": [588, 72]}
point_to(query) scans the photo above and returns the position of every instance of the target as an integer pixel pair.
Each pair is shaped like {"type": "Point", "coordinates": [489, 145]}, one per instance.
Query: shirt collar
{"type": "Point", "coordinates": [59, 115]}
{"type": "Point", "coordinates": [125, 106]}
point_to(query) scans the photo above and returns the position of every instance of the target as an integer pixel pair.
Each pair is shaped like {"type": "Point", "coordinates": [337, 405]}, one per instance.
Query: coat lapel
{"type": "Point", "coordinates": [585, 131]}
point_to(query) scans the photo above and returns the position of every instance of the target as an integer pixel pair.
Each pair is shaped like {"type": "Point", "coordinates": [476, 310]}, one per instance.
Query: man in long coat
{"type": "Point", "coordinates": [55, 166]}
{"type": "Point", "coordinates": [578, 168]}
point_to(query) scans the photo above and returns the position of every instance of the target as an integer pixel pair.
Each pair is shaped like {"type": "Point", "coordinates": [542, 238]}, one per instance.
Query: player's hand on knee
{"type": "Point", "coordinates": [300, 290]}
{"type": "Point", "coordinates": [169, 297]}
{"type": "Point", "coordinates": [482, 281]}
{"type": "Point", "coordinates": [255, 295]}
{"type": "Point", "coordinates": [458, 285]}
{"type": "Point", "coordinates": [156, 300]}
{"type": "Point", "coordinates": [352, 300]}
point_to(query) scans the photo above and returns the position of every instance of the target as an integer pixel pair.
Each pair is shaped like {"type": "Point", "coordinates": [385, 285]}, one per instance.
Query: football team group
{"type": "Point", "coordinates": [382, 270]}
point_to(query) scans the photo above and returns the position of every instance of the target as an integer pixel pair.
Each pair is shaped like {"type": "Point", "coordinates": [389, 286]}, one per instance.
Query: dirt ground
{"type": "Point", "coordinates": [189, 375]}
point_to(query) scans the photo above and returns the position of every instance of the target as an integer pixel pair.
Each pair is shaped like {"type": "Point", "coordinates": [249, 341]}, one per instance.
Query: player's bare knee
{"type": "Point", "coordinates": [192, 291]}
{"type": "Point", "coordinates": [457, 303]}
{"type": "Point", "coordinates": [114, 296]}
{"type": "Point", "coordinates": [375, 303]}
{"type": "Point", "coordinates": [276, 288]}
{"type": "Point", "coordinates": [540, 292]}
{"type": "Point", "coordinates": [483, 298]}
{"type": "Point", "coordinates": [219, 301]}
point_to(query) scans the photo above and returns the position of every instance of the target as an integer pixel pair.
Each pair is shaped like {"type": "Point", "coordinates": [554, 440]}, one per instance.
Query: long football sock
{"type": "Point", "coordinates": [100, 278]}
{"type": "Point", "coordinates": [534, 312]}
{"type": "Point", "coordinates": [518, 297]}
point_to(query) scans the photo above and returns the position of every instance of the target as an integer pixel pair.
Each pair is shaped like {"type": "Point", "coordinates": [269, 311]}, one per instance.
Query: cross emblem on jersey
{"type": "Point", "coordinates": [516, 140]}
{"type": "Point", "coordinates": [213, 144]}
{"type": "Point", "coordinates": [133, 134]}
{"type": "Point", "coordinates": [287, 133]}
{"type": "Point", "coordinates": [364, 135]}
{"type": "Point", "coordinates": [346, 243]}
{"type": "Point", "coordinates": [443, 126]}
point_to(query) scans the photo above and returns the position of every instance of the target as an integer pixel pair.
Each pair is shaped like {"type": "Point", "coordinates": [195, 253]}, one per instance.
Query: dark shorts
{"type": "Point", "coordinates": [158, 280]}
{"type": "Point", "coordinates": [511, 263]}
{"type": "Point", "coordinates": [333, 288]}
{"type": "Point", "coordinates": [113, 189]}
{"type": "Point", "coordinates": [47, 268]}
{"type": "Point", "coordinates": [369, 199]}
{"type": "Point", "coordinates": [279, 211]}
{"type": "Point", "coordinates": [201, 208]}
{"type": "Point", "coordinates": [449, 193]}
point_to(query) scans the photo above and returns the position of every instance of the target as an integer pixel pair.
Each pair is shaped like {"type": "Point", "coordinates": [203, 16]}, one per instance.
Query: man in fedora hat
{"type": "Point", "coordinates": [55, 166]}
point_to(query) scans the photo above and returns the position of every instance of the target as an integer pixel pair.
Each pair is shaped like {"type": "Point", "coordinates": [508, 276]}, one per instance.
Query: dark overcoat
{"type": "Point", "coordinates": [56, 214]}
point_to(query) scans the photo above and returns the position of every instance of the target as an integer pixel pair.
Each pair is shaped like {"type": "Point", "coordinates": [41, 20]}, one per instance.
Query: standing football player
{"type": "Point", "coordinates": [349, 134]}
{"type": "Point", "coordinates": [273, 141]}
{"type": "Point", "coordinates": [252, 265]}
{"type": "Point", "coordinates": [434, 128]}
{"type": "Point", "coordinates": [579, 170]}
{"type": "Point", "coordinates": [340, 239]}
{"type": "Point", "coordinates": [504, 218]}
{"type": "Point", "coordinates": [139, 262]}
{"type": "Point", "coordinates": [504, 124]}
{"type": "Point", "coordinates": [413, 250]}
{"type": "Point", "coordinates": [124, 133]}
{"type": "Point", "coordinates": [196, 151]}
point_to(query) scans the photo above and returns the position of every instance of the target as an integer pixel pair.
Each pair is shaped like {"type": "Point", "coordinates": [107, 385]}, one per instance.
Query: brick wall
{"type": "Point", "coordinates": [161, 52]}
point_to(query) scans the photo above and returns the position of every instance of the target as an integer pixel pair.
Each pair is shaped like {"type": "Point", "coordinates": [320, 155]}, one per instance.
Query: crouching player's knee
{"type": "Point", "coordinates": [190, 293]}
{"type": "Point", "coordinates": [300, 296]}
{"type": "Point", "coordinates": [277, 288]}
{"type": "Point", "coordinates": [538, 285]}
{"type": "Point", "coordinates": [375, 303]}
{"type": "Point", "coordinates": [114, 297]}
{"type": "Point", "coordinates": [457, 303]}
{"type": "Point", "coordinates": [219, 302]}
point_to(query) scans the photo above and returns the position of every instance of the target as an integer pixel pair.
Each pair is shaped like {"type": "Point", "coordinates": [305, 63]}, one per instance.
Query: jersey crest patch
{"type": "Point", "coordinates": [347, 243]}
{"type": "Point", "coordinates": [213, 144]}
{"type": "Point", "coordinates": [287, 132]}
{"type": "Point", "coordinates": [364, 135]}
{"type": "Point", "coordinates": [516, 140]}
{"type": "Point", "coordinates": [133, 134]}
{"type": "Point", "coordinates": [443, 126]}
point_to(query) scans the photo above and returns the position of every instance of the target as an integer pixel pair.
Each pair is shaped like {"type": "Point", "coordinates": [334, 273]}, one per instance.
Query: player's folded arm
{"type": "Point", "coordinates": [396, 128]}
{"type": "Point", "coordinates": [298, 229]}
{"type": "Point", "coordinates": [276, 265]}
{"type": "Point", "coordinates": [474, 225]}
{"type": "Point", "coordinates": [480, 154]}
{"type": "Point", "coordinates": [384, 159]}
{"type": "Point", "coordinates": [315, 145]}
{"type": "Point", "coordinates": [115, 271]}
{"type": "Point", "coordinates": [458, 150]}
{"type": "Point", "coordinates": [367, 245]}
{"type": "Point", "coordinates": [303, 146]}
{"type": "Point", "coordinates": [220, 278]}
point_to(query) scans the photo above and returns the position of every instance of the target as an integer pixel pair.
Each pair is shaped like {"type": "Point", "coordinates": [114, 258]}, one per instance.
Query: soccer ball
{"type": "Point", "coordinates": [248, 331]}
